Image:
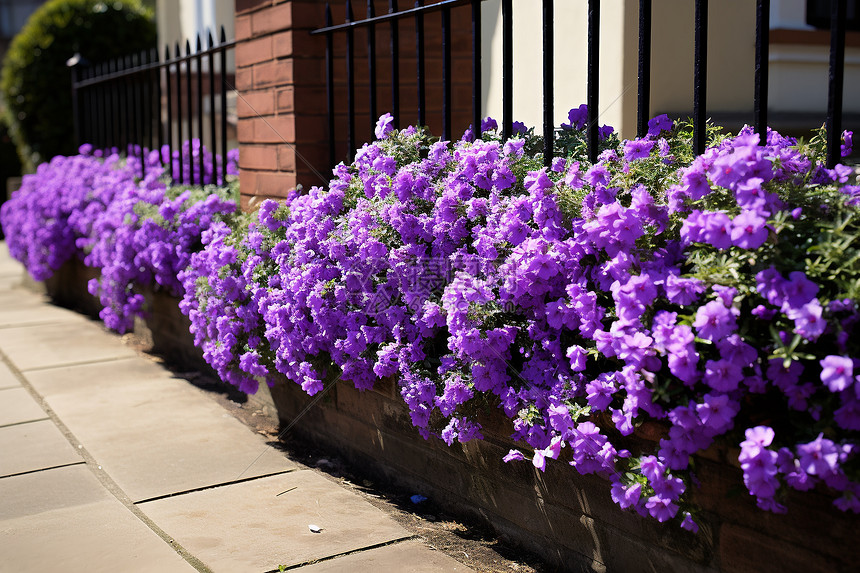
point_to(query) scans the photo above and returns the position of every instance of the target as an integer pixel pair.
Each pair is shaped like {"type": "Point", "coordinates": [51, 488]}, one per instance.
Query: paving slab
{"type": "Point", "coordinates": [8, 265]}
{"type": "Point", "coordinates": [38, 492]}
{"type": "Point", "coordinates": [48, 345]}
{"type": "Point", "coordinates": [154, 434]}
{"type": "Point", "coordinates": [34, 446]}
{"type": "Point", "coordinates": [19, 307]}
{"type": "Point", "coordinates": [404, 557]}
{"type": "Point", "coordinates": [10, 281]}
{"type": "Point", "coordinates": [7, 379]}
{"type": "Point", "coordinates": [17, 407]}
{"type": "Point", "coordinates": [261, 524]}
{"type": "Point", "coordinates": [64, 520]}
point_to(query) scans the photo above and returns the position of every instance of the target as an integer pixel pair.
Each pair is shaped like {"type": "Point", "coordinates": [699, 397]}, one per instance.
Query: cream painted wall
{"type": "Point", "coordinates": [798, 76]}
{"type": "Point", "coordinates": [618, 45]}
{"type": "Point", "coordinates": [178, 20]}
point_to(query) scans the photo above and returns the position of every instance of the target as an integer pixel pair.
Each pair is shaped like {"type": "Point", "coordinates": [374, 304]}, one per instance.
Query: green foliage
{"type": "Point", "coordinates": [35, 83]}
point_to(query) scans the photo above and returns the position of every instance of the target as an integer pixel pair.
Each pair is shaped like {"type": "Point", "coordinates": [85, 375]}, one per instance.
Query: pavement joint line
{"type": "Point", "coordinates": [9, 388]}
{"type": "Point", "coordinates": [344, 554]}
{"type": "Point", "coordinates": [25, 422]}
{"type": "Point", "coordinates": [78, 363]}
{"type": "Point", "coordinates": [44, 469]}
{"type": "Point", "coordinates": [107, 482]}
{"type": "Point", "coordinates": [213, 486]}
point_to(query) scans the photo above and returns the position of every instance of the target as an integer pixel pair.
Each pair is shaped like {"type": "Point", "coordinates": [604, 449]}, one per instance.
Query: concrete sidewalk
{"type": "Point", "coordinates": [108, 462]}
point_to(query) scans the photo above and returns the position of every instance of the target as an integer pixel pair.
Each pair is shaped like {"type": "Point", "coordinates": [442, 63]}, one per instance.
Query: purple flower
{"type": "Point", "coordinates": [819, 457]}
{"type": "Point", "coordinates": [578, 118]}
{"type": "Point", "coordinates": [837, 372]}
{"type": "Point", "coordinates": [658, 124]}
{"type": "Point", "coordinates": [384, 126]}
{"type": "Point", "coordinates": [626, 496]}
{"type": "Point", "coordinates": [661, 508]}
{"type": "Point", "coordinates": [748, 230]}
{"type": "Point", "coordinates": [723, 375]}
{"type": "Point", "coordinates": [637, 149]}
{"type": "Point", "coordinates": [714, 321]}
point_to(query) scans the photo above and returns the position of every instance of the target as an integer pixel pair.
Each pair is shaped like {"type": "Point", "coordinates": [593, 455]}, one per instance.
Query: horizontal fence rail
{"type": "Point", "coordinates": [144, 102]}
{"type": "Point", "coordinates": [373, 24]}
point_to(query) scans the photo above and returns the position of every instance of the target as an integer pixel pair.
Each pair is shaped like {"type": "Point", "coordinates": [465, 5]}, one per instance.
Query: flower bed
{"type": "Point", "coordinates": [137, 233]}
{"type": "Point", "coordinates": [711, 300]}
{"type": "Point", "coordinates": [715, 294]}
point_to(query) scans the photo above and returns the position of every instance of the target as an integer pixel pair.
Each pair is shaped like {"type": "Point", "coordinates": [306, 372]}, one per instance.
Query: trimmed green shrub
{"type": "Point", "coordinates": [35, 83]}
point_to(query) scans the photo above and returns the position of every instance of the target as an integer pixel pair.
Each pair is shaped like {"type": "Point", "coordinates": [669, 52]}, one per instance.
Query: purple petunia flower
{"type": "Point", "coordinates": [658, 124]}
{"type": "Point", "coordinates": [748, 230]}
{"type": "Point", "coordinates": [384, 126]}
{"type": "Point", "coordinates": [714, 321]}
{"type": "Point", "coordinates": [837, 372]}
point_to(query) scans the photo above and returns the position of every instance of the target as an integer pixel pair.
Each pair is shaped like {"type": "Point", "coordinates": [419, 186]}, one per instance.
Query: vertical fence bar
{"type": "Point", "coordinates": [98, 91]}
{"type": "Point", "coordinates": [76, 111]}
{"type": "Point", "coordinates": [223, 108]}
{"type": "Point", "coordinates": [137, 129]}
{"type": "Point", "coordinates": [507, 68]}
{"type": "Point", "coordinates": [95, 102]}
{"type": "Point", "coordinates": [593, 81]}
{"type": "Point", "coordinates": [395, 63]}
{"type": "Point", "coordinates": [700, 78]}
{"type": "Point", "coordinates": [836, 81]}
{"type": "Point", "coordinates": [129, 112]}
{"type": "Point", "coordinates": [189, 101]}
{"type": "Point", "coordinates": [115, 109]}
{"type": "Point", "coordinates": [371, 65]}
{"type": "Point", "coordinates": [643, 107]}
{"type": "Point", "coordinates": [329, 85]}
{"type": "Point", "coordinates": [199, 73]}
{"type": "Point", "coordinates": [178, 58]}
{"type": "Point", "coordinates": [148, 106]}
{"type": "Point", "coordinates": [548, 81]}
{"type": "Point", "coordinates": [446, 74]}
{"type": "Point", "coordinates": [169, 137]}
{"type": "Point", "coordinates": [419, 56]}
{"type": "Point", "coordinates": [762, 51]}
{"type": "Point", "coordinates": [158, 102]}
{"type": "Point", "coordinates": [476, 68]}
{"type": "Point", "coordinates": [350, 86]}
{"type": "Point", "coordinates": [213, 136]}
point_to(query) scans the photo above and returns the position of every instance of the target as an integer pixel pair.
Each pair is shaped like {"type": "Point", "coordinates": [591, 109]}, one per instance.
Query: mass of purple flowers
{"type": "Point", "coordinates": [715, 296]}
{"type": "Point", "coordinates": [712, 297]}
{"type": "Point", "coordinates": [138, 232]}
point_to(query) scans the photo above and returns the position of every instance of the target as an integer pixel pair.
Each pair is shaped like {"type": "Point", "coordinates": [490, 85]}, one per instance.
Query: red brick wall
{"type": "Point", "coordinates": [280, 78]}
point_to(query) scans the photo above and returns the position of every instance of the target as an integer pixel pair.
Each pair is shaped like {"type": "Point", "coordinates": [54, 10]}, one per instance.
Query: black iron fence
{"type": "Point", "coordinates": [389, 23]}
{"type": "Point", "coordinates": [144, 102]}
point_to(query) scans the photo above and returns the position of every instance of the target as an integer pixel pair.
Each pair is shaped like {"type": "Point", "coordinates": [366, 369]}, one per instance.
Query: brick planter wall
{"type": "Point", "coordinates": [566, 518]}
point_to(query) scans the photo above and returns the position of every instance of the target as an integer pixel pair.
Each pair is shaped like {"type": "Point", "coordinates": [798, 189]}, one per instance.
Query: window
{"type": "Point", "coordinates": [818, 14]}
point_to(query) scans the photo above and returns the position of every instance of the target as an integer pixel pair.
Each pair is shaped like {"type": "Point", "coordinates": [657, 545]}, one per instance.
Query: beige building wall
{"type": "Point", "coordinates": [178, 20]}
{"type": "Point", "coordinates": [798, 73]}
{"type": "Point", "coordinates": [617, 79]}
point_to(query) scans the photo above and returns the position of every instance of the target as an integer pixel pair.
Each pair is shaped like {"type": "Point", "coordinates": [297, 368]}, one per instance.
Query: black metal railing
{"type": "Point", "coordinates": [372, 22]}
{"type": "Point", "coordinates": [128, 104]}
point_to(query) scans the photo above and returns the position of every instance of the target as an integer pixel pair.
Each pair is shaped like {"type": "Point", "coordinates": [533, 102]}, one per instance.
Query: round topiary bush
{"type": "Point", "coordinates": [35, 83]}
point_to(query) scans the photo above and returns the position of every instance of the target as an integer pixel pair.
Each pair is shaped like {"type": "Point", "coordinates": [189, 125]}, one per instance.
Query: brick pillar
{"type": "Point", "coordinates": [281, 97]}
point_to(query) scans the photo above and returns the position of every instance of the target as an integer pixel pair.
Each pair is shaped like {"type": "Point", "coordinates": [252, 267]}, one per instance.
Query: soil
{"type": "Point", "coordinates": [473, 544]}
